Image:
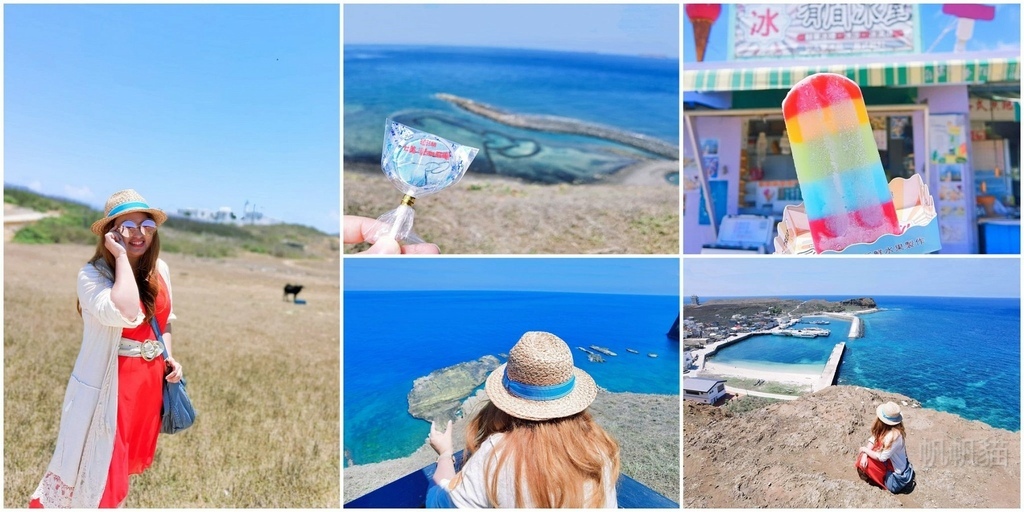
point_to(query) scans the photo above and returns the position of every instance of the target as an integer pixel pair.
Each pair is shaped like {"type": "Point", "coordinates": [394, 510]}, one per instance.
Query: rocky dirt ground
{"type": "Point", "coordinates": [487, 214]}
{"type": "Point", "coordinates": [800, 454]}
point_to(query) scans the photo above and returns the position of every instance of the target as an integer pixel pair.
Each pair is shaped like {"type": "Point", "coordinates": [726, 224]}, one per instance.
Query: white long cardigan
{"type": "Point", "coordinates": [77, 474]}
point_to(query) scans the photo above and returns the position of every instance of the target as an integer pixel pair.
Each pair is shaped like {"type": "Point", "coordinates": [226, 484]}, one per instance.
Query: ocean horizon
{"type": "Point", "coordinates": [957, 355]}
{"type": "Point", "coordinates": [634, 94]}
{"type": "Point", "coordinates": [392, 338]}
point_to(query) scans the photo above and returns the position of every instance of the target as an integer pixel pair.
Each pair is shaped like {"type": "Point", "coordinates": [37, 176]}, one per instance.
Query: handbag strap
{"type": "Point", "coordinates": [159, 335]}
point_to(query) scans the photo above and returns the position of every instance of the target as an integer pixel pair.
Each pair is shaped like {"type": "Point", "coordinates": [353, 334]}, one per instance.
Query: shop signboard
{"type": "Point", "coordinates": [785, 31]}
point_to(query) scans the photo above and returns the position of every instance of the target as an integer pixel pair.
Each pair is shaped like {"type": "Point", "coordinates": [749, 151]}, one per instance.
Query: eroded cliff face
{"type": "Point", "coordinates": [800, 454]}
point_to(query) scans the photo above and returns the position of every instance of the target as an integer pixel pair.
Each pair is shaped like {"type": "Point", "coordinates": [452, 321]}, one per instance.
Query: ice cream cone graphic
{"type": "Point", "coordinates": [702, 16]}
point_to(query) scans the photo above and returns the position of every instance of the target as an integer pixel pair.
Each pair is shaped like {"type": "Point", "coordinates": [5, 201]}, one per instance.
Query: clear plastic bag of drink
{"type": "Point", "coordinates": [418, 164]}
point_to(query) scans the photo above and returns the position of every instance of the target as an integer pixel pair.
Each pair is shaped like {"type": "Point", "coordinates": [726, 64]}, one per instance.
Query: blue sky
{"type": "Point", "coordinates": [927, 276]}
{"type": "Point", "coordinates": [637, 276]}
{"type": "Point", "coordinates": [1002, 33]}
{"type": "Point", "coordinates": [651, 30]}
{"type": "Point", "coordinates": [192, 105]}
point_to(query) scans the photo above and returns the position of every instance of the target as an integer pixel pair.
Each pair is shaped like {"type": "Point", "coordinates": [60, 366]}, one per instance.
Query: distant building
{"type": "Point", "coordinates": [224, 215]}
{"type": "Point", "coordinates": [705, 391]}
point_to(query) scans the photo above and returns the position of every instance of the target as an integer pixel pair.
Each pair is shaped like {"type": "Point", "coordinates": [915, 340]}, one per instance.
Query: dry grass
{"type": "Point", "coordinates": [492, 215]}
{"type": "Point", "coordinates": [263, 373]}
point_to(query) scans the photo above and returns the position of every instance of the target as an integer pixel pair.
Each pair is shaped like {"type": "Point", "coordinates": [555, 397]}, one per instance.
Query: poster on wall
{"type": "Point", "coordinates": [778, 31]}
{"type": "Point", "coordinates": [719, 201]}
{"type": "Point", "coordinates": [948, 139]}
{"type": "Point", "coordinates": [709, 157]}
{"type": "Point", "coordinates": [948, 146]}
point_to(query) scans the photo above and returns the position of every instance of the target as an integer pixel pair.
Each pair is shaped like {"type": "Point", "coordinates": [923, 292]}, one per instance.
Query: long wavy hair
{"type": "Point", "coordinates": [145, 270]}
{"type": "Point", "coordinates": [881, 430]}
{"type": "Point", "coordinates": [553, 459]}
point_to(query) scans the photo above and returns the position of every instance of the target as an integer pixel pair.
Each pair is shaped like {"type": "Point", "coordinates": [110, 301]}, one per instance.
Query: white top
{"type": "Point", "coordinates": [472, 490]}
{"type": "Point", "coordinates": [897, 451]}
{"type": "Point", "coordinates": [77, 474]}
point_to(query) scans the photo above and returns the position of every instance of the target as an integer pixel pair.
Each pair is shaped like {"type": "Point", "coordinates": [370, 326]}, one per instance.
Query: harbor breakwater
{"type": "Point", "coordinates": [556, 124]}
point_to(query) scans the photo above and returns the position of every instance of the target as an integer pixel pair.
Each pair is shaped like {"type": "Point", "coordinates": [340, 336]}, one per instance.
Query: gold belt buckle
{"type": "Point", "coordinates": [149, 350]}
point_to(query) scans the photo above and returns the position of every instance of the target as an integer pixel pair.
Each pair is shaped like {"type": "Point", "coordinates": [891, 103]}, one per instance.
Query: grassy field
{"type": "Point", "coordinates": [71, 221]}
{"type": "Point", "coordinates": [263, 373]}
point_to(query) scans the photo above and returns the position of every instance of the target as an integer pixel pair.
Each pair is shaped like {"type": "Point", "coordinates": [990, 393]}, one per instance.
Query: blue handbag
{"type": "Point", "coordinates": [177, 413]}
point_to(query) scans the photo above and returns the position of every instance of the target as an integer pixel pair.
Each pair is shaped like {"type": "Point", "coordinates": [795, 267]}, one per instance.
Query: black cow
{"type": "Point", "coordinates": [293, 290]}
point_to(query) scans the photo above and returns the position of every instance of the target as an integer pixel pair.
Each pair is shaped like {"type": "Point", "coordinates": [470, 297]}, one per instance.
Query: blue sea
{"type": "Point", "coordinates": [392, 338]}
{"type": "Point", "coordinates": [959, 355]}
{"type": "Point", "coordinates": [636, 94]}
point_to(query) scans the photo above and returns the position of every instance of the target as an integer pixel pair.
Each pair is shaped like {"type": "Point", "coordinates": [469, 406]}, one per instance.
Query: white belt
{"type": "Point", "coordinates": [147, 350]}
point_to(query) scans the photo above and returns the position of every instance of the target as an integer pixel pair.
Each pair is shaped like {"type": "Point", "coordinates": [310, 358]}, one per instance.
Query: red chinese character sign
{"type": "Point", "coordinates": [771, 31]}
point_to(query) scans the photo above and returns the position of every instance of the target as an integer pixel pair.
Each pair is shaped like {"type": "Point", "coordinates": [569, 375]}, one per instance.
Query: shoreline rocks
{"type": "Point", "coordinates": [439, 395]}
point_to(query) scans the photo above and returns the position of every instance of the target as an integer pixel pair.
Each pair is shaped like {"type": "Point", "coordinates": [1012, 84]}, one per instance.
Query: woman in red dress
{"type": "Point", "coordinates": [111, 414]}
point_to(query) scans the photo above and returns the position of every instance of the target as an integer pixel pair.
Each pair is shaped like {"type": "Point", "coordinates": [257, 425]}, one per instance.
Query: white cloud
{"type": "Point", "coordinates": [80, 193]}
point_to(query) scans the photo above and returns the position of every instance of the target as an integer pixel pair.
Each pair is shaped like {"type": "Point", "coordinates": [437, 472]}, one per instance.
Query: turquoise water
{"type": "Point", "coordinates": [786, 353]}
{"type": "Point", "coordinates": [382, 358]}
{"type": "Point", "coordinates": [634, 94]}
{"type": "Point", "coordinates": [959, 355]}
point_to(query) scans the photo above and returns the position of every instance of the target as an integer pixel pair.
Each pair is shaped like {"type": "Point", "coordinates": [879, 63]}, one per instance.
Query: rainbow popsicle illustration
{"type": "Point", "coordinates": [846, 196]}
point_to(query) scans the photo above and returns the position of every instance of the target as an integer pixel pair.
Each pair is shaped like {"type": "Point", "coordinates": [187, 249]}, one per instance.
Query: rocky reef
{"type": "Point", "coordinates": [439, 396]}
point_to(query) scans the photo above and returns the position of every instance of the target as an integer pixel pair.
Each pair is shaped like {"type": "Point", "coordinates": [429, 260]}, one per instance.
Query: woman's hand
{"type": "Point", "coordinates": [176, 372]}
{"type": "Point", "coordinates": [114, 243]}
{"type": "Point", "coordinates": [441, 442]}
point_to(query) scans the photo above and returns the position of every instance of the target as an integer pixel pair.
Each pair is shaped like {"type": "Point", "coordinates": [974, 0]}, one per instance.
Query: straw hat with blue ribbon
{"type": "Point", "coordinates": [889, 413]}
{"type": "Point", "coordinates": [539, 381]}
{"type": "Point", "coordinates": [124, 202]}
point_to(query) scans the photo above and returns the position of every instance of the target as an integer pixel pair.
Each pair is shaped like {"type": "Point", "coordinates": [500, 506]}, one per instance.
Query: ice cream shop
{"type": "Point", "coordinates": [940, 85]}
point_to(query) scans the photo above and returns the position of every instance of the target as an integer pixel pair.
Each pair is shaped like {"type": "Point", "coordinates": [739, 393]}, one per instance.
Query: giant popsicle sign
{"type": "Point", "coordinates": [846, 196]}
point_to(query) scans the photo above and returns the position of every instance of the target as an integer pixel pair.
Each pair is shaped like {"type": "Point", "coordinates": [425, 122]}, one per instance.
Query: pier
{"type": "Point", "coordinates": [856, 328]}
{"type": "Point", "coordinates": [828, 376]}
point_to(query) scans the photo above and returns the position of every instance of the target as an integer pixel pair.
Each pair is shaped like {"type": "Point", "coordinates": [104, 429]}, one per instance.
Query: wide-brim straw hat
{"type": "Point", "coordinates": [539, 381]}
{"type": "Point", "coordinates": [889, 413]}
{"type": "Point", "coordinates": [125, 202]}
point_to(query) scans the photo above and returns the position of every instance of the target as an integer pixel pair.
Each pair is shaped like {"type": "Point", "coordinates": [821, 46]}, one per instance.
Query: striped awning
{"type": "Point", "coordinates": [866, 75]}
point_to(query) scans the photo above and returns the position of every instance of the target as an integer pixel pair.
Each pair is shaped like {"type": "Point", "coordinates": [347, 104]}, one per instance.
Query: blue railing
{"type": "Point", "coordinates": [410, 491]}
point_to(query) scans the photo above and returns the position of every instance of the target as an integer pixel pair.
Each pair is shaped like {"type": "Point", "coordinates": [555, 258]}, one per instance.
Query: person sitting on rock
{"type": "Point", "coordinates": [534, 444]}
{"type": "Point", "coordinates": [883, 461]}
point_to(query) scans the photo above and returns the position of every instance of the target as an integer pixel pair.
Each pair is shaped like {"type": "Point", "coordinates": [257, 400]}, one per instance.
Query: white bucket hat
{"type": "Point", "coordinates": [124, 202]}
{"type": "Point", "coordinates": [539, 381]}
{"type": "Point", "coordinates": [889, 413]}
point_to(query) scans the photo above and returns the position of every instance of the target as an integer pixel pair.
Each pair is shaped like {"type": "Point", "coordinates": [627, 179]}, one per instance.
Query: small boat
{"type": "Point", "coordinates": [589, 353]}
{"type": "Point", "coordinates": [652, 354]}
{"type": "Point", "coordinates": [603, 350]}
{"type": "Point", "coordinates": [631, 351]}
{"type": "Point", "coordinates": [595, 358]}
{"type": "Point", "coordinates": [819, 322]}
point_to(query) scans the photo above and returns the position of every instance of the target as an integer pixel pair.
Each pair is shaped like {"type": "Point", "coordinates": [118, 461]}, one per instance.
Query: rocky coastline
{"type": "Point", "coordinates": [439, 395]}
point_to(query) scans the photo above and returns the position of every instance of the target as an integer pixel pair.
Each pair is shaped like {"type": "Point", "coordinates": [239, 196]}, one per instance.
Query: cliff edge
{"type": "Point", "coordinates": [800, 454]}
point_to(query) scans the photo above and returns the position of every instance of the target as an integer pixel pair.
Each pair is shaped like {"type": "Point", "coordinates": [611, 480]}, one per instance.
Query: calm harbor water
{"type": "Point", "coordinates": [959, 355]}
{"type": "Point", "coordinates": [383, 356]}
{"type": "Point", "coordinates": [635, 94]}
